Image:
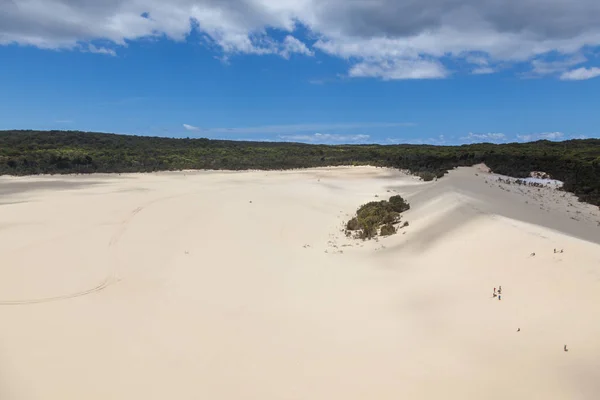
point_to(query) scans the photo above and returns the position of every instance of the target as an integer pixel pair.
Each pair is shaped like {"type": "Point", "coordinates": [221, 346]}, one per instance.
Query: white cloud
{"type": "Point", "coordinates": [293, 45]}
{"type": "Point", "coordinates": [325, 138]}
{"type": "Point", "coordinates": [578, 137]}
{"type": "Point", "coordinates": [302, 128]}
{"type": "Point", "coordinates": [399, 69]}
{"type": "Point", "coordinates": [477, 60]}
{"type": "Point", "coordinates": [483, 70]}
{"type": "Point", "coordinates": [191, 127]}
{"type": "Point", "coordinates": [532, 137]}
{"type": "Point", "coordinates": [484, 137]}
{"type": "Point", "coordinates": [100, 50]}
{"type": "Point", "coordinates": [388, 39]}
{"type": "Point", "coordinates": [437, 141]}
{"type": "Point", "coordinates": [544, 67]}
{"type": "Point", "coordinates": [580, 74]}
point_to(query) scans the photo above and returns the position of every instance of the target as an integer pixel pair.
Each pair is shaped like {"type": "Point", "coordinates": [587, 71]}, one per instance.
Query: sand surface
{"type": "Point", "coordinates": [242, 285]}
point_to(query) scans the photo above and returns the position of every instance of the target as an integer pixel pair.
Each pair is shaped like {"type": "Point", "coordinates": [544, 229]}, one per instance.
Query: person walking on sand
{"type": "Point", "coordinates": [499, 297]}
{"type": "Point", "coordinates": [499, 289]}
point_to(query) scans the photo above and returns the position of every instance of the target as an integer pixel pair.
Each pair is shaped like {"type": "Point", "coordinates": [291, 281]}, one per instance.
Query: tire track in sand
{"type": "Point", "coordinates": [111, 277]}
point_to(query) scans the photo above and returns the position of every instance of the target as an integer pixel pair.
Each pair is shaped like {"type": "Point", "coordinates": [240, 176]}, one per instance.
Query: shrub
{"type": "Point", "coordinates": [368, 232]}
{"type": "Point", "coordinates": [398, 204]}
{"type": "Point", "coordinates": [378, 216]}
{"type": "Point", "coordinates": [391, 217]}
{"type": "Point", "coordinates": [427, 176]}
{"type": "Point", "coordinates": [388, 230]}
{"type": "Point", "coordinates": [353, 225]}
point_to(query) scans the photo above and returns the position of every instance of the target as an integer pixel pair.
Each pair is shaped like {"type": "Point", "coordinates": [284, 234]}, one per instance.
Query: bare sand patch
{"type": "Point", "coordinates": [242, 285]}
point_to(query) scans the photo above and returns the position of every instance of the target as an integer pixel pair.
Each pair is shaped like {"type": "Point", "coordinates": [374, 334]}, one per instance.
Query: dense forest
{"type": "Point", "coordinates": [575, 162]}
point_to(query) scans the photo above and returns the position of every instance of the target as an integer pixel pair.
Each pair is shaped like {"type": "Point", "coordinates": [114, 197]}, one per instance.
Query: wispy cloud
{"type": "Point", "coordinates": [325, 138]}
{"type": "Point", "coordinates": [483, 71]}
{"type": "Point", "coordinates": [532, 137]}
{"type": "Point", "coordinates": [438, 141]}
{"type": "Point", "coordinates": [544, 67]}
{"type": "Point", "coordinates": [580, 74]}
{"type": "Point", "coordinates": [399, 69]}
{"type": "Point", "coordinates": [578, 137]}
{"type": "Point", "coordinates": [100, 50]}
{"type": "Point", "coordinates": [302, 128]}
{"type": "Point", "coordinates": [292, 45]}
{"type": "Point", "coordinates": [191, 127]}
{"type": "Point", "coordinates": [484, 137]}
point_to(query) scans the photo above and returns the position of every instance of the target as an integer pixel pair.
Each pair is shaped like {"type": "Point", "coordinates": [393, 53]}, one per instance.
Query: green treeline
{"type": "Point", "coordinates": [575, 162]}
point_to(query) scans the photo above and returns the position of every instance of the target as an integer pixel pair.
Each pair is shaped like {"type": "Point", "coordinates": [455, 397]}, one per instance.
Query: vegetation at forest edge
{"type": "Point", "coordinates": [575, 162]}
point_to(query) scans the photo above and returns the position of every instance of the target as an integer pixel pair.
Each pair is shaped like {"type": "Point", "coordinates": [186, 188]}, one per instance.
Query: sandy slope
{"type": "Point", "coordinates": [222, 285]}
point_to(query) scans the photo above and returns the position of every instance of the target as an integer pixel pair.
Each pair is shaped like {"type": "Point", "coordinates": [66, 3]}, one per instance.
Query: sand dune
{"type": "Point", "coordinates": [242, 285]}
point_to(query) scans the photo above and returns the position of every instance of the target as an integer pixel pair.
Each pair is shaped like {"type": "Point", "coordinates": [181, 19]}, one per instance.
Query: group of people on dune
{"type": "Point", "coordinates": [498, 293]}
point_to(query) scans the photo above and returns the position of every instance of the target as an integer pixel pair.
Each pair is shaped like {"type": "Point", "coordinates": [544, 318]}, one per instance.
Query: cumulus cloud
{"type": "Point", "coordinates": [484, 137]}
{"type": "Point", "coordinates": [325, 138]}
{"type": "Point", "coordinates": [191, 127]}
{"type": "Point", "coordinates": [388, 39]}
{"type": "Point", "coordinates": [580, 74]}
{"type": "Point", "coordinates": [532, 137]}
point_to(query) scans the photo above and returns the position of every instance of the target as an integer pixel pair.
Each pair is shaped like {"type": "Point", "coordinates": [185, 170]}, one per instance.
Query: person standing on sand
{"type": "Point", "coordinates": [499, 297]}
{"type": "Point", "coordinates": [499, 289]}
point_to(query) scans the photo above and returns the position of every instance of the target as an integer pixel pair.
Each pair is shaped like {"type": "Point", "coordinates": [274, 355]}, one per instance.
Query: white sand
{"type": "Point", "coordinates": [240, 285]}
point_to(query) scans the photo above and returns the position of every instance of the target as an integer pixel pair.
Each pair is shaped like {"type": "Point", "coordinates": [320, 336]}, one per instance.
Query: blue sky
{"type": "Point", "coordinates": [386, 71]}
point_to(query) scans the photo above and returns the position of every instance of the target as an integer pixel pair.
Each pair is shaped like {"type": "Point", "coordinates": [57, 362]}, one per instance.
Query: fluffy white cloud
{"type": "Point", "coordinates": [484, 137]}
{"type": "Point", "coordinates": [325, 138]}
{"type": "Point", "coordinates": [191, 127]}
{"type": "Point", "coordinates": [390, 39]}
{"type": "Point", "coordinates": [541, 136]}
{"type": "Point", "coordinates": [580, 74]}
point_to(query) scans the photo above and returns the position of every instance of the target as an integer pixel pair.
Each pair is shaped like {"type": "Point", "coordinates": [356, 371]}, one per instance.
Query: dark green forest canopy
{"type": "Point", "coordinates": [575, 162]}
